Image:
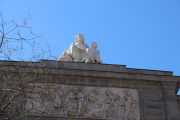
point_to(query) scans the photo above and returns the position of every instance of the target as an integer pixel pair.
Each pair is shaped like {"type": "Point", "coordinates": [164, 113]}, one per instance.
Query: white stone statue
{"type": "Point", "coordinates": [95, 53]}
{"type": "Point", "coordinates": [80, 52]}
{"type": "Point", "coordinates": [65, 57]}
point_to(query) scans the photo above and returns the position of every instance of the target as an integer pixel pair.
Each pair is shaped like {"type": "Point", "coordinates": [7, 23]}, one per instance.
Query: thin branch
{"type": "Point", "coordinates": [11, 30]}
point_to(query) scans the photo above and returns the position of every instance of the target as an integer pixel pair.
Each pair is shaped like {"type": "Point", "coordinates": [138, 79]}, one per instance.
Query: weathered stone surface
{"type": "Point", "coordinates": [154, 118]}
{"type": "Point", "coordinates": [153, 105]}
{"type": "Point", "coordinates": [152, 93]}
{"type": "Point", "coordinates": [172, 112]}
{"type": "Point", "coordinates": [171, 105]}
{"type": "Point", "coordinates": [83, 66]}
{"type": "Point", "coordinates": [125, 84]}
{"type": "Point", "coordinates": [74, 101]}
{"type": "Point", "coordinates": [154, 112]}
{"type": "Point", "coordinates": [152, 86]}
{"type": "Point", "coordinates": [152, 98]}
{"type": "Point", "coordinates": [169, 85]}
{"type": "Point", "coordinates": [178, 99]}
{"type": "Point", "coordinates": [156, 89]}
{"type": "Point", "coordinates": [141, 104]}
{"type": "Point", "coordinates": [138, 84]}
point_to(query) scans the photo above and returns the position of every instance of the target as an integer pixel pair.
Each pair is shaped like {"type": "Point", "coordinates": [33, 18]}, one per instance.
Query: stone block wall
{"type": "Point", "coordinates": [156, 89]}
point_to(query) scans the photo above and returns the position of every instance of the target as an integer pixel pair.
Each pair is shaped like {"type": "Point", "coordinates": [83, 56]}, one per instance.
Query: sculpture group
{"type": "Point", "coordinates": [80, 104]}
{"type": "Point", "coordinates": [80, 52]}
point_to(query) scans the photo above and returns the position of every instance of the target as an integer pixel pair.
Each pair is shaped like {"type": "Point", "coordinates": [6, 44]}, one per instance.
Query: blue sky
{"type": "Point", "coordinates": [136, 33]}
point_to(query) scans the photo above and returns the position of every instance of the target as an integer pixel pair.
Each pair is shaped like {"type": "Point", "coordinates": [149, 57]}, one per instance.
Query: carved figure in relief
{"type": "Point", "coordinates": [93, 102]}
{"type": "Point", "coordinates": [70, 103]}
{"type": "Point", "coordinates": [47, 106]}
{"type": "Point", "coordinates": [57, 101]}
{"type": "Point", "coordinates": [82, 102]}
{"type": "Point", "coordinates": [65, 57]}
{"type": "Point", "coordinates": [129, 105]}
{"type": "Point", "coordinates": [111, 112]}
{"type": "Point", "coordinates": [98, 112]}
{"type": "Point", "coordinates": [33, 103]}
{"type": "Point", "coordinates": [79, 104]}
{"type": "Point", "coordinates": [119, 107]}
{"type": "Point", "coordinates": [95, 53]}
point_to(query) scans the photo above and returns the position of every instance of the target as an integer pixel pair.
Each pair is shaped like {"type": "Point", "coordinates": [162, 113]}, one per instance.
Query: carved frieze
{"type": "Point", "coordinates": [83, 102]}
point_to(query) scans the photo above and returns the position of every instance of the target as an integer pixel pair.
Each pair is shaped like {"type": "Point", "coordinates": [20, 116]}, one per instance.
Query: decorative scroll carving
{"type": "Point", "coordinates": [83, 102]}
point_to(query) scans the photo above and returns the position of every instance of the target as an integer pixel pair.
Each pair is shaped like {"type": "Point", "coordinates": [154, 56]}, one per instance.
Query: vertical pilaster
{"type": "Point", "coordinates": [170, 101]}
{"type": "Point", "coordinates": [141, 104]}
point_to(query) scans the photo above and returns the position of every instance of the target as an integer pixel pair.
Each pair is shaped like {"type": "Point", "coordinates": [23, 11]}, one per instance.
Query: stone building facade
{"type": "Point", "coordinates": [97, 91]}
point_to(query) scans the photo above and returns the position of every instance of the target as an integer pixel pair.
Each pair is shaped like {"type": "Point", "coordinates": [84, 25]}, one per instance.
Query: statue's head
{"type": "Point", "coordinates": [108, 92]}
{"type": "Point", "coordinates": [128, 92]}
{"type": "Point", "coordinates": [96, 91]}
{"type": "Point", "coordinates": [75, 90]}
{"type": "Point", "coordinates": [81, 89]}
{"type": "Point", "coordinates": [94, 45]}
{"type": "Point", "coordinates": [118, 97]}
{"type": "Point", "coordinates": [79, 38]}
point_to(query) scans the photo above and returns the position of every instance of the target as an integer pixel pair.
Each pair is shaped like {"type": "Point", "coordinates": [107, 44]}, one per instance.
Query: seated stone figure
{"type": "Point", "coordinates": [95, 53]}
{"type": "Point", "coordinates": [80, 52]}
{"type": "Point", "coordinates": [65, 57]}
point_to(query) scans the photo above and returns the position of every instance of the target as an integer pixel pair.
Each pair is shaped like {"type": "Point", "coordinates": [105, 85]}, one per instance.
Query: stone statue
{"type": "Point", "coordinates": [80, 52]}
{"type": "Point", "coordinates": [82, 102]}
{"type": "Point", "coordinates": [95, 53]}
{"type": "Point", "coordinates": [65, 57]}
{"type": "Point", "coordinates": [129, 107]}
{"type": "Point", "coordinates": [70, 103]}
{"type": "Point", "coordinates": [111, 112]}
{"type": "Point", "coordinates": [93, 103]}
{"type": "Point", "coordinates": [93, 98]}
{"type": "Point", "coordinates": [47, 104]}
{"type": "Point", "coordinates": [119, 107]}
{"type": "Point", "coordinates": [57, 101]}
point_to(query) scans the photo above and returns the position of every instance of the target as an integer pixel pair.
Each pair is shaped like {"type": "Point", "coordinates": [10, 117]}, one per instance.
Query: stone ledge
{"type": "Point", "coordinates": [88, 73]}
{"type": "Point", "coordinates": [87, 66]}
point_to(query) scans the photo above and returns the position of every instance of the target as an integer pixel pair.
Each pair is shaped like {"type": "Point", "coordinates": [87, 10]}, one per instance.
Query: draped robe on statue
{"type": "Point", "coordinates": [80, 52]}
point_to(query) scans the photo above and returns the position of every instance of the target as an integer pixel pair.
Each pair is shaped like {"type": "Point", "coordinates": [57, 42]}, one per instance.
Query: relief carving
{"type": "Point", "coordinates": [84, 102]}
{"type": "Point", "coordinates": [70, 103]}
{"type": "Point", "coordinates": [57, 101]}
